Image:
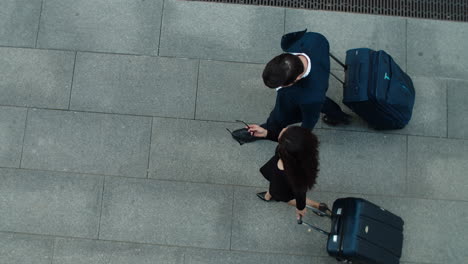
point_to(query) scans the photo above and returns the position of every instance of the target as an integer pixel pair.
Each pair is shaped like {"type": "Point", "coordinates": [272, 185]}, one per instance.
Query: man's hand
{"type": "Point", "coordinates": [300, 213]}
{"type": "Point", "coordinates": [257, 131]}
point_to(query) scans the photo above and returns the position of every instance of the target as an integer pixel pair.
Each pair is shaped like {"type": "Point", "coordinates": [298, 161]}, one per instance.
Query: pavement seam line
{"type": "Point", "coordinates": [406, 44]}
{"type": "Point", "coordinates": [447, 108]}
{"type": "Point", "coordinates": [339, 193]}
{"type": "Point", "coordinates": [149, 149]}
{"type": "Point", "coordinates": [102, 202]}
{"type": "Point", "coordinates": [155, 244]}
{"type": "Point", "coordinates": [53, 250]}
{"type": "Point", "coordinates": [223, 121]}
{"type": "Point", "coordinates": [72, 80]}
{"type": "Point", "coordinates": [406, 165]}
{"type": "Point", "coordinates": [284, 22]}
{"type": "Point", "coordinates": [39, 24]}
{"type": "Point", "coordinates": [161, 26]}
{"type": "Point", "coordinates": [196, 90]}
{"type": "Point", "coordinates": [129, 54]}
{"type": "Point", "coordinates": [179, 246]}
{"type": "Point", "coordinates": [122, 114]}
{"type": "Point", "coordinates": [232, 217]}
{"type": "Point", "coordinates": [24, 137]}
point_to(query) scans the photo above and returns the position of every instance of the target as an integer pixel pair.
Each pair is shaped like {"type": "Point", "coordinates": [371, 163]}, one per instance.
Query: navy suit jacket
{"type": "Point", "coordinates": [302, 101]}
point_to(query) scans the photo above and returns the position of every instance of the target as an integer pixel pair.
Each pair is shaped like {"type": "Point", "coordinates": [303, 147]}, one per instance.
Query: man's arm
{"type": "Point", "coordinates": [273, 124]}
{"type": "Point", "coordinates": [273, 130]}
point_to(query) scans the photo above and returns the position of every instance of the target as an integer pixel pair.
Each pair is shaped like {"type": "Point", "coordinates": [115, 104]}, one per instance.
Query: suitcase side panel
{"type": "Point", "coordinates": [372, 256]}
{"type": "Point", "coordinates": [392, 88]}
{"type": "Point", "coordinates": [373, 115]}
{"type": "Point", "coordinates": [378, 213]}
{"type": "Point", "coordinates": [382, 238]}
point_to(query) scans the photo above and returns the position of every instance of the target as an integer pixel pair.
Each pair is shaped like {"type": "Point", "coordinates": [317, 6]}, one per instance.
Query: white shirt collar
{"type": "Point", "coordinates": [307, 70]}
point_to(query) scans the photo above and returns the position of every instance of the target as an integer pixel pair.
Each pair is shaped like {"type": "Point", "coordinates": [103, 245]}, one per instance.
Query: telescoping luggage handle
{"type": "Point", "coordinates": [320, 230]}
{"type": "Point", "coordinates": [336, 220]}
{"type": "Point", "coordinates": [340, 63]}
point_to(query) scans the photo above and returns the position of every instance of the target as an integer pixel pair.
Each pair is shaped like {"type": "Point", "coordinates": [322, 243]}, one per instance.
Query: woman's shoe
{"type": "Point", "coordinates": [343, 119]}
{"type": "Point", "coordinates": [323, 207]}
{"type": "Point", "coordinates": [261, 195]}
{"type": "Point", "coordinates": [323, 210]}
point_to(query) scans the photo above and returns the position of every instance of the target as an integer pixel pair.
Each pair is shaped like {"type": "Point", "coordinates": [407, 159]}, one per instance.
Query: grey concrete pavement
{"type": "Point", "coordinates": [114, 149]}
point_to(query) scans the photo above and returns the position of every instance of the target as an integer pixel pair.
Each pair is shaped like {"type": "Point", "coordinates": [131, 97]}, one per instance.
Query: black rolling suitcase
{"type": "Point", "coordinates": [362, 232]}
{"type": "Point", "coordinates": [377, 89]}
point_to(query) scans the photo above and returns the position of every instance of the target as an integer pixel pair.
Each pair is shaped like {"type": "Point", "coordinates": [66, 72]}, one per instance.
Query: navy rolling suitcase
{"type": "Point", "coordinates": [377, 89]}
{"type": "Point", "coordinates": [363, 232]}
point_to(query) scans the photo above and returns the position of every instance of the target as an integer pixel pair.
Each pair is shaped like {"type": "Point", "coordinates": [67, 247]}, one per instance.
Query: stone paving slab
{"type": "Point", "coordinates": [183, 217]}
{"type": "Point", "coordinates": [437, 48]}
{"type": "Point", "coordinates": [202, 256]}
{"type": "Point", "coordinates": [347, 31]}
{"type": "Point", "coordinates": [457, 108]}
{"type": "Point", "coordinates": [87, 143]}
{"type": "Point", "coordinates": [135, 85]}
{"type": "Point", "coordinates": [272, 227]}
{"type": "Point", "coordinates": [221, 31]}
{"type": "Point", "coordinates": [169, 213]}
{"type": "Point", "coordinates": [50, 203]}
{"type": "Point", "coordinates": [12, 123]}
{"type": "Point", "coordinates": [17, 248]}
{"type": "Point", "coordinates": [435, 230]}
{"type": "Point", "coordinates": [362, 162]}
{"type": "Point", "coordinates": [437, 168]}
{"type": "Point", "coordinates": [430, 108]}
{"type": "Point", "coordinates": [37, 78]}
{"type": "Point", "coordinates": [101, 25]}
{"type": "Point", "coordinates": [80, 251]}
{"type": "Point", "coordinates": [200, 151]}
{"type": "Point", "coordinates": [18, 22]}
{"type": "Point", "coordinates": [260, 226]}
{"type": "Point", "coordinates": [231, 91]}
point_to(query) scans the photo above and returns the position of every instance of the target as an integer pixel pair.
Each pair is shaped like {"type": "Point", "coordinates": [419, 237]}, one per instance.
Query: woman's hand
{"type": "Point", "coordinates": [300, 213]}
{"type": "Point", "coordinates": [257, 131]}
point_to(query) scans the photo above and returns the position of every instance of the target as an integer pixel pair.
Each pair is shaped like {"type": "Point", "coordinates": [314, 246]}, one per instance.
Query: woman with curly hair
{"type": "Point", "coordinates": [293, 170]}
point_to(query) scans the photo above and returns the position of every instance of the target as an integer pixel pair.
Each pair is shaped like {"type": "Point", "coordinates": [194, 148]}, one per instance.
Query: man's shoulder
{"type": "Point", "coordinates": [309, 90]}
{"type": "Point", "coordinates": [312, 37]}
{"type": "Point", "coordinates": [292, 39]}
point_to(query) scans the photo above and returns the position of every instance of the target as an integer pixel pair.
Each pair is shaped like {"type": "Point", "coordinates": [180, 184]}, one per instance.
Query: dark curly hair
{"type": "Point", "coordinates": [282, 70]}
{"type": "Point", "coordinates": [298, 149]}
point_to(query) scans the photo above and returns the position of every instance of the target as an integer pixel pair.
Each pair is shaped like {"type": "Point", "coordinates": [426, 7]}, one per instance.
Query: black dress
{"type": "Point", "coordinates": [280, 189]}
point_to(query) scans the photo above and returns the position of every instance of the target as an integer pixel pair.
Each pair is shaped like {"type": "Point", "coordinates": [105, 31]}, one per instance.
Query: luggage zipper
{"type": "Point", "coordinates": [389, 108]}
{"type": "Point", "coordinates": [373, 81]}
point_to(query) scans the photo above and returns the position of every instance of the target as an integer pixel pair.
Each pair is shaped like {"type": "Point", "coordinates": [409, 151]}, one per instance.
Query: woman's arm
{"type": "Point", "coordinates": [300, 203]}
{"type": "Point", "coordinates": [300, 200]}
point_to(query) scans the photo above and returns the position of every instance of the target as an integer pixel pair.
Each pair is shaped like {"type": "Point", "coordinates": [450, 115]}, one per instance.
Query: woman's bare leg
{"type": "Point", "coordinates": [312, 203]}
{"type": "Point", "coordinates": [267, 196]}
{"type": "Point", "coordinates": [308, 202]}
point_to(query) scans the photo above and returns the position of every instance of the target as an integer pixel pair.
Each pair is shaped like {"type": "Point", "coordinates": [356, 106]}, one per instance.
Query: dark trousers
{"type": "Point", "coordinates": [332, 109]}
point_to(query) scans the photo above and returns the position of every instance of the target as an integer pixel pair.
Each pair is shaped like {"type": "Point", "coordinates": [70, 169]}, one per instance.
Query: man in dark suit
{"type": "Point", "coordinates": [300, 77]}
